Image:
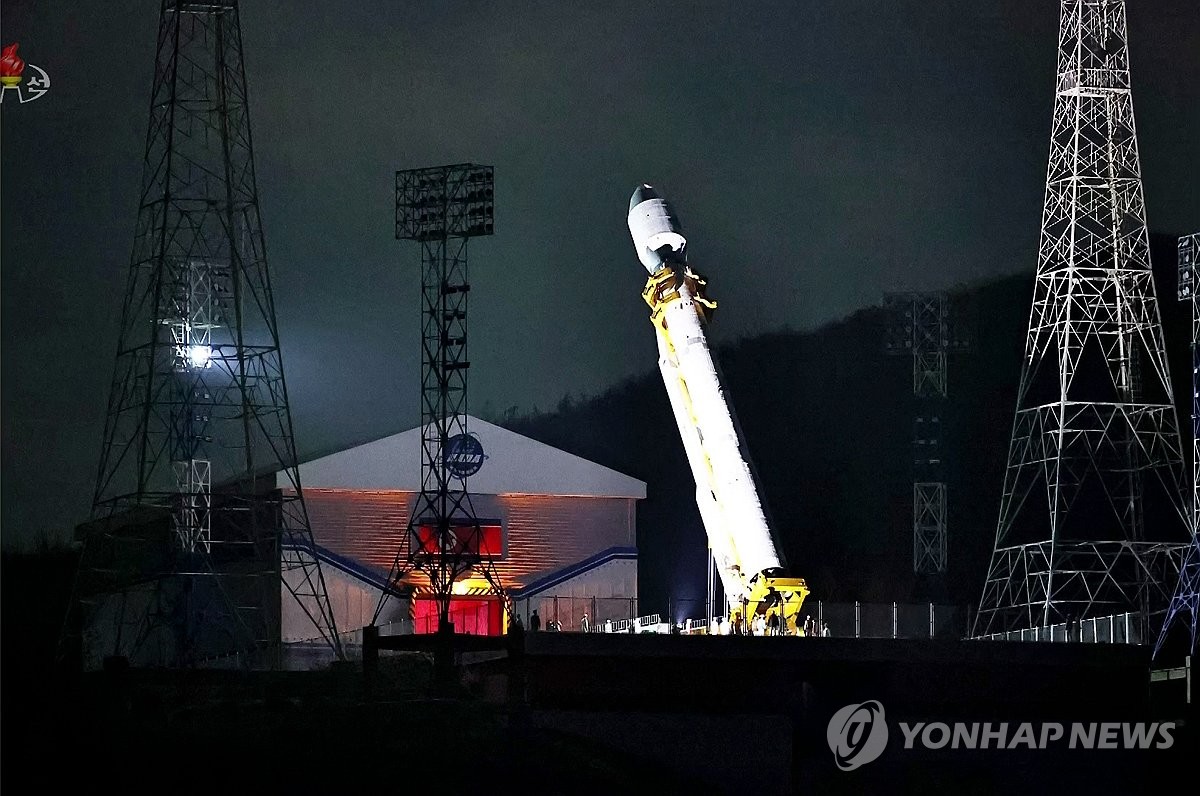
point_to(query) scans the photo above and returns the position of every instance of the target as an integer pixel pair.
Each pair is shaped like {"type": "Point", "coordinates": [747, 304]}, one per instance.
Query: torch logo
{"type": "Point", "coordinates": [13, 76]}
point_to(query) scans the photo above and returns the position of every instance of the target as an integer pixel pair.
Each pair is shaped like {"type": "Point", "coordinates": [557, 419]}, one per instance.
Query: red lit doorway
{"type": "Point", "coordinates": [478, 616]}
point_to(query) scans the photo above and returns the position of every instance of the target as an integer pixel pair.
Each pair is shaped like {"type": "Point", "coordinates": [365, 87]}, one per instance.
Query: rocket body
{"type": "Point", "coordinates": [656, 232]}
{"type": "Point", "coordinates": [741, 540]}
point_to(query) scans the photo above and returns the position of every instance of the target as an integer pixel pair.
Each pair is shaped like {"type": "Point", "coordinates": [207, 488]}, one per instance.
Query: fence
{"type": "Point", "coordinates": [892, 620]}
{"type": "Point", "coordinates": [846, 619]}
{"type": "Point", "coordinates": [1115, 629]}
{"type": "Point", "coordinates": [567, 613]}
{"type": "Point", "coordinates": [651, 623]}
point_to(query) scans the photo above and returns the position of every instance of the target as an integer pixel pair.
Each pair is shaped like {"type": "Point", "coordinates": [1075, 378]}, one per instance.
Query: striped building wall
{"type": "Point", "coordinates": [542, 533]}
{"type": "Point", "coordinates": [352, 599]}
{"type": "Point", "coordinates": [608, 591]}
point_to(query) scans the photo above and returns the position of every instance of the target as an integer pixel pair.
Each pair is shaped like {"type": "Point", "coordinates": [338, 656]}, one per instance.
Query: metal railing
{"type": "Point", "coordinates": [845, 620]}
{"type": "Point", "coordinates": [1115, 629]}
{"type": "Point", "coordinates": [651, 623]}
{"type": "Point", "coordinates": [567, 613]}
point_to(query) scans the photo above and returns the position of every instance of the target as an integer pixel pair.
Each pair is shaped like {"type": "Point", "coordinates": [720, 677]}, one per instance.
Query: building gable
{"type": "Point", "coordinates": [514, 464]}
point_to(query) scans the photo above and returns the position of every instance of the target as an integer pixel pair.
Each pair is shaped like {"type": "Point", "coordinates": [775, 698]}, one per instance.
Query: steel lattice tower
{"type": "Point", "coordinates": [1091, 521]}
{"type": "Point", "coordinates": [442, 208]}
{"type": "Point", "coordinates": [1185, 604]}
{"type": "Point", "coordinates": [920, 326]}
{"type": "Point", "coordinates": [191, 536]}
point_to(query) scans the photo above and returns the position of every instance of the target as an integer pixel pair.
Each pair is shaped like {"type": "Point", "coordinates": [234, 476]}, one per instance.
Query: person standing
{"type": "Point", "coordinates": [535, 622]}
{"type": "Point", "coordinates": [1073, 628]}
{"type": "Point", "coordinates": [773, 624]}
{"type": "Point", "coordinates": [585, 626]}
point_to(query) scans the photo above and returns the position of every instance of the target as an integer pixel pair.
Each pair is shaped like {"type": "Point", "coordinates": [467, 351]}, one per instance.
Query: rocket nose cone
{"type": "Point", "coordinates": [643, 192]}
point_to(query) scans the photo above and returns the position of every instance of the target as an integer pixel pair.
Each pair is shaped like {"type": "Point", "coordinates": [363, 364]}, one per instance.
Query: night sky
{"type": "Point", "coordinates": [819, 153]}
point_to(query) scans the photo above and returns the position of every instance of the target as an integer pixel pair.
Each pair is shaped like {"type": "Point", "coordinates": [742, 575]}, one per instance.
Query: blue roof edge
{"type": "Point", "coordinates": [368, 575]}
{"type": "Point", "coordinates": [566, 573]}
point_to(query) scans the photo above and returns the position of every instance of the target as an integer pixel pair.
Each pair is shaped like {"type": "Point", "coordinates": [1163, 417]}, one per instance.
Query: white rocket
{"type": "Point", "coordinates": [741, 541]}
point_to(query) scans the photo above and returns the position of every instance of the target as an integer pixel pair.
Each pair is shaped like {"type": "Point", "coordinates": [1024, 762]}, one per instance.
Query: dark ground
{"type": "Point", "coordinates": [193, 731]}
{"type": "Point", "coordinates": [198, 731]}
{"type": "Point", "coordinates": [601, 714]}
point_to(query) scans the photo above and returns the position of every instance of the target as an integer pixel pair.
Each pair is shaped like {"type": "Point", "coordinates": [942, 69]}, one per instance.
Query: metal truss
{"type": "Point", "coordinates": [1185, 604]}
{"type": "Point", "coordinates": [198, 429]}
{"type": "Point", "coordinates": [929, 527]}
{"type": "Point", "coordinates": [442, 207]}
{"type": "Point", "coordinates": [923, 326]}
{"type": "Point", "coordinates": [1080, 579]}
{"type": "Point", "coordinates": [919, 326]}
{"type": "Point", "coordinates": [1091, 520]}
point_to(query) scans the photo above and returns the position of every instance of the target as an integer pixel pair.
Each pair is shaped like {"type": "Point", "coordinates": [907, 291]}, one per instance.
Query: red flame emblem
{"type": "Point", "coordinates": [11, 65]}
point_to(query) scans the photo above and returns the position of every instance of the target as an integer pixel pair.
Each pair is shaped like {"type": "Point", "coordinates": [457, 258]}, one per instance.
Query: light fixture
{"type": "Point", "coordinates": [199, 356]}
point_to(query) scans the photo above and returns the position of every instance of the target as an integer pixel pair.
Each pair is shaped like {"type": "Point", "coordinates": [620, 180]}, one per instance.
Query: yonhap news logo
{"type": "Point", "coordinates": [858, 734]}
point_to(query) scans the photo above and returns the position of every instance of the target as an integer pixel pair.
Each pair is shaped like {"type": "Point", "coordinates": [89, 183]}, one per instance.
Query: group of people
{"type": "Point", "coordinates": [814, 627]}
{"type": "Point", "coordinates": [535, 623]}
{"type": "Point", "coordinates": [517, 624]}
{"type": "Point", "coordinates": [766, 624]}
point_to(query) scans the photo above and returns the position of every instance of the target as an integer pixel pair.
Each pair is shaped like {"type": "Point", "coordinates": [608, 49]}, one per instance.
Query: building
{"type": "Point", "coordinates": [566, 528]}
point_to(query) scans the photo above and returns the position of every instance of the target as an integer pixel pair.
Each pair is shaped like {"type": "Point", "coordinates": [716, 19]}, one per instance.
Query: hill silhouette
{"type": "Point", "coordinates": [828, 420]}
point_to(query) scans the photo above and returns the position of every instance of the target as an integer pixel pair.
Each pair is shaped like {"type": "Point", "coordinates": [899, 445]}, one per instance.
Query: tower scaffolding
{"type": "Point", "coordinates": [1092, 519]}
{"type": "Point", "coordinates": [198, 523]}
{"type": "Point", "coordinates": [442, 208]}
{"type": "Point", "coordinates": [1185, 603]}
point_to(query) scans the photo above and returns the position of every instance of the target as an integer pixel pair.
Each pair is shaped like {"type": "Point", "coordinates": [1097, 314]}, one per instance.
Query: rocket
{"type": "Point", "coordinates": [657, 234]}
{"type": "Point", "coordinates": [741, 540]}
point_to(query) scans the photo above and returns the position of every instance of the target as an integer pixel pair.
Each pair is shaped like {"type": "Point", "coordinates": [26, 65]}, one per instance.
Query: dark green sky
{"type": "Point", "coordinates": [819, 154]}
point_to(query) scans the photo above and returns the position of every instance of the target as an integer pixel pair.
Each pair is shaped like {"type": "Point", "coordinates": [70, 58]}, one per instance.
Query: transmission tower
{"type": "Point", "coordinates": [920, 325]}
{"type": "Point", "coordinates": [191, 536]}
{"type": "Point", "coordinates": [442, 208]}
{"type": "Point", "coordinates": [1185, 605]}
{"type": "Point", "coordinates": [1091, 520]}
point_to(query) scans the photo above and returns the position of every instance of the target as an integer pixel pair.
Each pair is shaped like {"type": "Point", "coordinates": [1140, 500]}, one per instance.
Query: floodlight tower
{"type": "Point", "coordinates": [194, 311]}
{"type": "Point", "coordinates": [442, 208]}
{"type": "Point", "coordinates": [920, 325]}
{"type": "Point", "coordinates": [1091, 519]}
{"type": "Point", "coordinates": [198, 514]}
{"type": "Point", "coordinates": [1185, 604]}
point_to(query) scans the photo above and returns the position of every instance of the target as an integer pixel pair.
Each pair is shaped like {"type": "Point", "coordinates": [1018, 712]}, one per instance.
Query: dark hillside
{"type": "Point", "coordinates": [828, 419]}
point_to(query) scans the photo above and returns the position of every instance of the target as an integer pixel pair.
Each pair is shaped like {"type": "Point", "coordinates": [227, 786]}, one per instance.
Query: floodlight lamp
{"type": "Point", "coordinates": [199, 356]}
